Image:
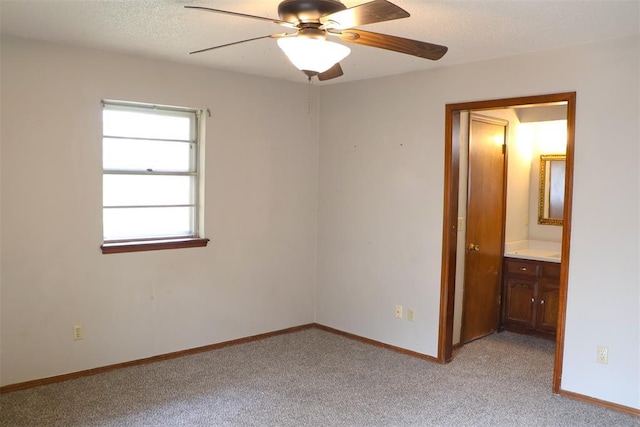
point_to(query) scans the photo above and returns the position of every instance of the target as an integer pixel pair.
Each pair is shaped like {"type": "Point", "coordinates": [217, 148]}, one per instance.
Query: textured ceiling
{"type": "Point", "coordinates": [472, 29]}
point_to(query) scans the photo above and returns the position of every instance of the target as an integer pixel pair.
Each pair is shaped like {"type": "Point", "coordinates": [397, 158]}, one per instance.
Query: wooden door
{"type": "Point", "coordinates": [485, 227]}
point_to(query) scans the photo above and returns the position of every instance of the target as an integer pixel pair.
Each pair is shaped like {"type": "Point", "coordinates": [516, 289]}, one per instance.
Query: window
{"type": "Point", "coordinates": [150, 178]}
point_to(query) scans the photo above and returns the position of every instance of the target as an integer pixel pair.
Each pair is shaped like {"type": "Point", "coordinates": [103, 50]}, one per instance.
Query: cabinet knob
{"type": "Point", "coordinates": [533, 300]}
{"type": "Point", "coordinates": [473, 247]}
{"type": "Point", "coordinates": [523, 268]}
{"type": "Point", "coordinates": [541, 301]}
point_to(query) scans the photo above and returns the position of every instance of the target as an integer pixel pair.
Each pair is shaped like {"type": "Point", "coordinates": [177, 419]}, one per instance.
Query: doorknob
{"type": "Point", "coordinates": [473, 247]}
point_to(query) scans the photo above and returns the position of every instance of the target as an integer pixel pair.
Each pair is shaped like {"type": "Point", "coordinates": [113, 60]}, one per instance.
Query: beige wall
{"type": "Point", "coordinates": [258, 272]}
{"type": "Point", "coordinates": [381, 190]}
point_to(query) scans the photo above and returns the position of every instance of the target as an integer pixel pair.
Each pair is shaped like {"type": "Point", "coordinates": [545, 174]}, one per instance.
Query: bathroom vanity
{"type": "Point", "coordinates": [531, 291]}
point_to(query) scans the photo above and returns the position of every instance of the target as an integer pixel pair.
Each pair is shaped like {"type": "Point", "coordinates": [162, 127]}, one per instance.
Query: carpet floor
{"type": "Point", "coordinates": [316, 378]}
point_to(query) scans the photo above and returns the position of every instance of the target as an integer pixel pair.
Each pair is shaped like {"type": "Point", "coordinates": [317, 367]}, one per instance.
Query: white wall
{"type": "Point", "coordinates": [380, 198]}
{"type": "Point", "coordinates": [257, 274]}
{"type": "Point", "coordinates": [381, 190]}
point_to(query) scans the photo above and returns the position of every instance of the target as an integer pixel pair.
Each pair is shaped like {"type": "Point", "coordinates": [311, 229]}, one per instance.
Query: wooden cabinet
{"type": "Point", "coordinates": [531, 295]}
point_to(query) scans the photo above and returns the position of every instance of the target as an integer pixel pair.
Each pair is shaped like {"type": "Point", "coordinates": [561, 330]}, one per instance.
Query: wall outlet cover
{"type": "Point", "coordinates": [602, 355]}
{"type": "Point", "coordinates": [78, 334]}
{"type": "Point", "coordinates": [399, 311]}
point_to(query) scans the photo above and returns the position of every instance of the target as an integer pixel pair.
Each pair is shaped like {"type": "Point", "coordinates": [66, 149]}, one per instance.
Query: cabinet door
{"type": "Point", "coordinates": [520, 307]}
{"type": "Point", "coordinates": [548, 299]}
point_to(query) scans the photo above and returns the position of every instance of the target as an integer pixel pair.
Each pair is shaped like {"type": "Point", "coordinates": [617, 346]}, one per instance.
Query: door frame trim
{"type": "Point", "coordinates": [450, 217]}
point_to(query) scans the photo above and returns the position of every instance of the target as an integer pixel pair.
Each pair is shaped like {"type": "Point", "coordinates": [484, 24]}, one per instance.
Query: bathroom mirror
{"type": "Point", "coordinates": [551, 189]}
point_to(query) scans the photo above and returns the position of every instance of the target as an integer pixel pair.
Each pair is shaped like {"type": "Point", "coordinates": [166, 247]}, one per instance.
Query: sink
{"type": "Point", "coordinates": [537, 250]}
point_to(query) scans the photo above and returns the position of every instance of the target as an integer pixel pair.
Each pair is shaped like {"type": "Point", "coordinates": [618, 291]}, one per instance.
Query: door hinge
{"type": "Point", "coordinates": [504, 148]}
{"type": "Point", "coordinates": [499, 299]}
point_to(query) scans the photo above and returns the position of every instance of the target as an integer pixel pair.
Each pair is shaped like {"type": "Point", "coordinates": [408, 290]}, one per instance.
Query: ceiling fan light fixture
{"type": "Point", "coordinates": [312, 54]}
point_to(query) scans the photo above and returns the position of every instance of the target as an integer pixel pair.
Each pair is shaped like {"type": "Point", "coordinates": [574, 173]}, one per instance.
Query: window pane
{"type": "Point", "coordinates": [144, 190]}
{"type": "Point", "coordinates": [141, 155]}
{"type": "Point", "coordinates": [140, 223]}
{"type": "Point", "coordinates": [150, 177]}
{"type": "Point", "coordinates": [147, 124]}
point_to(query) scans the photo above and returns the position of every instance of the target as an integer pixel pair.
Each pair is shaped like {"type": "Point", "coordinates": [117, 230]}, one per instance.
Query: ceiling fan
{"type": "Point", "coordinates": [313, 20]}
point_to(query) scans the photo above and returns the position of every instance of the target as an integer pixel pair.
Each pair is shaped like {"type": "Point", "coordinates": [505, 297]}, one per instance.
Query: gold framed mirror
{"type": "Point", "coordinates": [551, 189]}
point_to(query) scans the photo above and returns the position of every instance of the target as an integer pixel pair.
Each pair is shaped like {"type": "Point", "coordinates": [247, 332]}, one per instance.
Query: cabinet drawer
{"type": "Point", "coordinates": [522, 268]}
{"type": "Point", "coordinates": [550, 270]}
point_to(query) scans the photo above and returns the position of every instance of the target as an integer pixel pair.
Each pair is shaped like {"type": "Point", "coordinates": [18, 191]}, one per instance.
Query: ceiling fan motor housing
{"type": "Point", "coordinates": [303, 11]}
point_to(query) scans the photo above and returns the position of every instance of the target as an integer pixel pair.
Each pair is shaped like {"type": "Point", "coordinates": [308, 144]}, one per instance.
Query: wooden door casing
{"type": "Point", "coordinates": [451, 214]}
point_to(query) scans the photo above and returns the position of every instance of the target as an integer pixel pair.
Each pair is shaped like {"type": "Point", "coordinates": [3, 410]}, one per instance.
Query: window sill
{"type": "Point", "coordinates": [153, 245]}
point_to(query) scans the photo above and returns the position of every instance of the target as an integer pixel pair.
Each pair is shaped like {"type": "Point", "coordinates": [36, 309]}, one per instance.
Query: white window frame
{"type": "Point", "coordinates": [194, 238]}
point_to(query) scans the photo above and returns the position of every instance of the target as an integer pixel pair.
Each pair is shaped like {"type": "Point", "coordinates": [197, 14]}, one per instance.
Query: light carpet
{"type": "Point", "coordinates": [317, 378]}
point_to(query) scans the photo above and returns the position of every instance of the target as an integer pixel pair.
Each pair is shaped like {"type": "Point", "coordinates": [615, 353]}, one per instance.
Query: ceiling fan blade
{"type": "Point", "coordinates": [397, 44]}
{"type": "Point", "coordinates": [243, 15]}
{"type": "Point", "coordinates": [331, 73]}
{"type": "Point", "coordinates": [270, 36]}
{"type": "Point", "coordinates": [363, 14]}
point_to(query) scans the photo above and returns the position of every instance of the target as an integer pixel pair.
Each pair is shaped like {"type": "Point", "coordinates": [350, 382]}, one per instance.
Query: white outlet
{"type": "Point", "coordinates": [602, 355]}
{"type": "Point", "coordinates": [460, 223]}
{"type": "Point", "coordinates": [410, 314]}
{"type": "Point", "coordinates": [399, 311]}
{"type": "Point", "coordinates": [78, 334]}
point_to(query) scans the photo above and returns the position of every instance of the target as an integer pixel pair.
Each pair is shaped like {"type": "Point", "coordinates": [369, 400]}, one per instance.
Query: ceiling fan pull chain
{"type": "Point", "coordinates": [310, 109]}
{"type": "Point", "coordinates": [309, 100]}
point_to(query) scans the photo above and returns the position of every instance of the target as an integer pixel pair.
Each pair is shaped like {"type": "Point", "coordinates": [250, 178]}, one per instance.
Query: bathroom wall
{"type": "Point", "coordinates": [518, 177]}
{"type": "Point", "coordinates": [548, 137]}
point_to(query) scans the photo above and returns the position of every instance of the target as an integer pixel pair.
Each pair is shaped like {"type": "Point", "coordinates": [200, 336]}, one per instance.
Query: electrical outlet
{"type": "Point", "coordinates": [410, 314]}
{"type": "Point", "coordinates": [399, 311]}
{"type": "Point", "coordinates": [78, 334]}
{"type": "Point", "coordinates": [602, 355]}
{"type": "Point", "coordinates": [460, 223]}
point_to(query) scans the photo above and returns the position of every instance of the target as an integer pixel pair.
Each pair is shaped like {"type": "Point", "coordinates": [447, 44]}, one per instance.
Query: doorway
{"type": "Point", "coordinates": [450, 219]}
